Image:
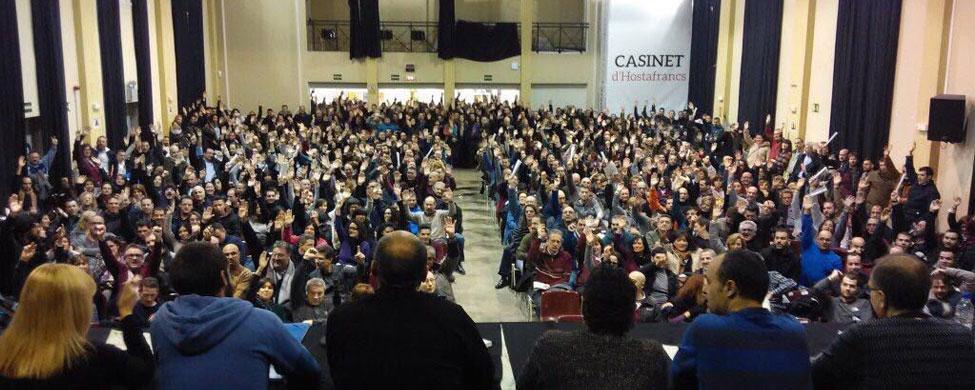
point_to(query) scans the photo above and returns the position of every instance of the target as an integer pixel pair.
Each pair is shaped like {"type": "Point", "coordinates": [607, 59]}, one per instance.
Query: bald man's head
{"type": "Point", "coordinates": [402, 261]}
{"type": "Point", "coordinates": [901, 282]}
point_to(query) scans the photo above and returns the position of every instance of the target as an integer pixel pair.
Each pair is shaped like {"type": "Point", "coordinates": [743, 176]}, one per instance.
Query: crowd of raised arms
{"type": "Point", "coordinates": [298, 200]}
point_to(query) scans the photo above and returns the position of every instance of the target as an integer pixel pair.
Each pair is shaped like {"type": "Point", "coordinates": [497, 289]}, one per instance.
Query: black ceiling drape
{"type": "Point", "coordinates": [113, 79]}
{"type": "Point", "coordinates": [11, 99]}
{"type": "Point", "coordinates": [188, 42]}
{"type": "Point", "coordinates": [143, 61]}
{"type": "Point", "coordinates": [704, 54]}
{"type": "Point", "coordinates": [46, 20]}
{"type": "Point", "coordinates": [445, 29]}
{"type": "Point", "coordinates": [364, 29]}
{"type": "Point", "coordinates": [760, 62]}
{"type": "Point", "coordinates": [863, 74]}
{"type": "Point", "coordinates": [485, 42]}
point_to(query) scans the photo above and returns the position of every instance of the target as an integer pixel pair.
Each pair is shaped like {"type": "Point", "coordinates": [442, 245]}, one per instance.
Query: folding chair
{"type": "Point", "coordinates": [558, 303]}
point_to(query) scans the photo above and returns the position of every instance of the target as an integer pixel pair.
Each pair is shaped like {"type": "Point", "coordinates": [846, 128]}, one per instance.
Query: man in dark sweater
{"type": "Point", "coordinates": [923, 191]}
{"type": "Point", "coordinates": [903, 347]}
{"type": "Point", "coordinates": [741, 345]}
{"type": "Point", "coordinates": [402, 338]}
{"type": "Point", "coordinates": [602, 356]}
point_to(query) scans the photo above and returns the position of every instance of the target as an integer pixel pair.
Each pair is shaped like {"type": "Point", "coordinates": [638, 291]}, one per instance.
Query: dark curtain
{"type": "Point", "coordinates": [11, 132]}
{"type": "Point", "coordinates": [11, 99]}
{"type": "Point", "coordinates": [188, 41]}
{"type": "Point", "coordinates": [704, 54]}
{"type": "Point", "coordinates": [143, 61]}
{"type": "Point", "coordinates": [445, 30]}
{"type": "Point", "coordinates": [863, 74]}
{"type": "Point", "coordinates": [113, 80]}
{"type": "Point", "coordinates": [364, 29]}
{"type": "Point", "coordinates": [484, 42]}
{"type": "Point", "coordinates": [46, 20]}
{"type": "Point", "coordinates": [759, 62]}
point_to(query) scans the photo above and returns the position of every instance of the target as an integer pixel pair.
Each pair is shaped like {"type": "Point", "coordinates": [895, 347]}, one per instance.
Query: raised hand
{"type": "Point", "coordinates": [935, 206]}
{"type": "Point", "coordinates": [28, 252]}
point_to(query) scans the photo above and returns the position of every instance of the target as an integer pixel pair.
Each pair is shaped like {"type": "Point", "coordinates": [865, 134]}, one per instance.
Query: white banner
{"type": "Point", "coordinates": [648, 53]}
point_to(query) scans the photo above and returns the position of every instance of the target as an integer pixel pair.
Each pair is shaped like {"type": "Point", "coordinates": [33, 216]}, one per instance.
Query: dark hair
{"type": "Point", "coordinates": [927, 171]}
{"type": "Point", "coordinates": [657, 251]}
{"type": "Point", "coordinates": [782, 229]}
{"type": "Point", "coordinates": [904, 280]}
{"type": "Point", "coordinates": [401, 261]}
{"type": "Point", "coordinates": [748, 271]}
{"type": "Point", "coordinates": [197, 269]}
{"type": "Point", "coordinates": [607, 306]}
{"type": "Point", "coordinates": [149, 282]}
{"type": "Point", "coordinates": [217, 226]}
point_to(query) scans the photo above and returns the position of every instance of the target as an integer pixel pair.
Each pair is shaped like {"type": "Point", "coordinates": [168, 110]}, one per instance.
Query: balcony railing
{"type": "Point", "coordinates": [559, 37]}
{"type": "Point", "coordinates": [421, 37]}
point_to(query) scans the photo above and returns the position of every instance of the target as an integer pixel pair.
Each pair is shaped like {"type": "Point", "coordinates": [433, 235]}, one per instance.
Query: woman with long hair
{"type": "Point", "coordinates": [46, 346]}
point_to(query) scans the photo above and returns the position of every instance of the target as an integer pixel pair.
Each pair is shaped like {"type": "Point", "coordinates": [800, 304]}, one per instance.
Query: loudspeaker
{"type": "Point", "coordinates": [946, 119]}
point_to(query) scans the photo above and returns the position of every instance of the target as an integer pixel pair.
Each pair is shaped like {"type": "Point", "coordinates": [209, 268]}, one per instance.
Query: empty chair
{"type": "Point", "coordinates": [559, 303]}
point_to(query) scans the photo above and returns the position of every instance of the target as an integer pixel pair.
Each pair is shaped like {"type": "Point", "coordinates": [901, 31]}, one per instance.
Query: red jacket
{"type": "Point", "coordinates": [550, 269]}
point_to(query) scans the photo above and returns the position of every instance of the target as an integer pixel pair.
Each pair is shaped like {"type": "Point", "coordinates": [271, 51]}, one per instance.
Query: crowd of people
{"type": "Point", "coordinates": [299, 202]}
{"type": "Point", "coordinates": [661, 194]}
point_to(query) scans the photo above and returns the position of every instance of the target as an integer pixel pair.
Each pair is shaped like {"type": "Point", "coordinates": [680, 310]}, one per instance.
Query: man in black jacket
{"type": "Point", "coordinates": [401, 338]}
{"type": "Point", "coordinates": [780, 256]}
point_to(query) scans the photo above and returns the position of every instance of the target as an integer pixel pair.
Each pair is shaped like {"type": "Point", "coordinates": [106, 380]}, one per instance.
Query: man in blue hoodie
{"type": "Point", "coordinates": [204, 340]}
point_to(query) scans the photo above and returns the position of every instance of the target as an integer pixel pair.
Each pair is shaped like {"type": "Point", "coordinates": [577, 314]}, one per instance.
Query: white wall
{"type": "Point", "coordinates": [70, 55]}
{"type": "Point", "coordinates": [154, 69]}
{"type": "Point", "coordinates": [27, 63]}
{"type": "Point", "coordinates": [954, 174]}
{"type": "Point", "coordinates": [559, 95]}
{"type": "Point", "coordinates": [129, 70]}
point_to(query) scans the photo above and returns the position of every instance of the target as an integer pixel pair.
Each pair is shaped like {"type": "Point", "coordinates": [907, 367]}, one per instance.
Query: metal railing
{"type": "Point", "coordinates": [559, 37]}
{"type": "Point", "coordinates": [421, 37]}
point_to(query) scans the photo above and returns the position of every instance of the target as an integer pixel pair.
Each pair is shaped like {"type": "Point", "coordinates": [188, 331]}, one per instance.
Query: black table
{"type": "Point", "coordinates": [520, 337]}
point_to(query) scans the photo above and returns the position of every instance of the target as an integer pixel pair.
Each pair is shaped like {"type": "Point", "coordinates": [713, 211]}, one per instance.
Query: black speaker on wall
{"type": "Point", "coordinates": [946, 119]}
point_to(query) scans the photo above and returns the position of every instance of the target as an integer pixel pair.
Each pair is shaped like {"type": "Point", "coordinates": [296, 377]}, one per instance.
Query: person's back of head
{"type": "Point", "coordinates": [898, 283]}
{"type": "Point", "coordinates": [199, 268]}
{"type": "Point", "coordinates": [48, 331]}
{"type": "Point", "coordinates": [401, 261]}
{"type": "Point", "coordinates": [739, 280]}
{"type": "Point", "coordinates": [608, 301]}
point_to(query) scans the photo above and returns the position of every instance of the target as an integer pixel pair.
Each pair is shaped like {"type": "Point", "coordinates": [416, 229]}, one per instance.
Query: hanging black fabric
{"type": "Point", "coordinates": [484, 42]}
{"type": "Point", "coordinates": [113, 79]}
{"type": "Point", "coordinates": [46, 21]}
{"type": "Point", "coordinates": [143, 61]}
{"type": "Point", "coordinates": [760, 62]}
{"type": "Point", "coordinates": [863, 74]}
{"type": "Point", "coordinates": [188, 42]}
{"type": "Point", "coordinates": [704, 54]}
{"type": "Point", "coordinates": [364, 29]}
{"type": "Point", "coordinates": [445, 29]}
{"type": "Point", "coordinates": [11, 99]}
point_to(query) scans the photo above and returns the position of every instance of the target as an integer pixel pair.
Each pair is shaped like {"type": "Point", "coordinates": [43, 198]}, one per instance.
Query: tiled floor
{"type": "Point", "coordinates": [475, 291]}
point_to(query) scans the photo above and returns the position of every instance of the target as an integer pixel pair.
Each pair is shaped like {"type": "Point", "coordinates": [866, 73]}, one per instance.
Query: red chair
{"type": "Point", "coordinates": [570, 318]}
{"type": "Point", "coordinates": [559, 303]}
